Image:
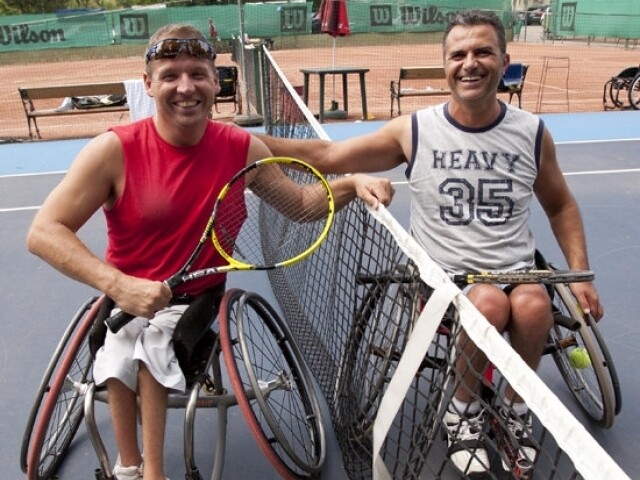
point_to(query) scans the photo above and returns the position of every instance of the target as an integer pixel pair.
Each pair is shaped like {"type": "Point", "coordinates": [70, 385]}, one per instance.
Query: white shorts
{"type": "Point", "coordinates": [145, 341]}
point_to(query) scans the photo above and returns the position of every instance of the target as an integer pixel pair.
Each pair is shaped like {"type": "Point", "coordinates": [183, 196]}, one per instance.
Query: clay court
{"type": "Point", "coordinates": [573, 82]}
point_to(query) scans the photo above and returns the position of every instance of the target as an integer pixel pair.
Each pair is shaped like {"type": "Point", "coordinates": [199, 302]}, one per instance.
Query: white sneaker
{"type": "Point", "coordinates": [133, 472]}
{"type": "Point", "coordinates": [466, 444]}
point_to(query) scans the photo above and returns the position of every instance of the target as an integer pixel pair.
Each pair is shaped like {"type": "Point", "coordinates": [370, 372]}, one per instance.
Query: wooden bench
{"type": "Point", "coordinates": [512, 83]}
{"type": "Point", "coordinates": [399, 89]}
{"type": "Point", "coordinates": [30, 94]}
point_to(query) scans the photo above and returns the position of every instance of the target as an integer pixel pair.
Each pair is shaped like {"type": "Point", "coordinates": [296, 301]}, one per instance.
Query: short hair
{"type": "Point", "coordinates": [478, 17]}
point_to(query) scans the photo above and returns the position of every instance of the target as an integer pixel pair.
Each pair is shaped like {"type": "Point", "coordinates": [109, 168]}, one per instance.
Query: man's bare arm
{"type": "Point", "coordinates": [566, 223]}
{"type": "Point", "coordinates": [382, 150]}
{"type": "Point", "coordinates": [94, 180]}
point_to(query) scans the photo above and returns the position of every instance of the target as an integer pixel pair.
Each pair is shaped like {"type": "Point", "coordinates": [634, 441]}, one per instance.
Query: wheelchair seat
{"type": "Point", "coordinates": [197, 347]}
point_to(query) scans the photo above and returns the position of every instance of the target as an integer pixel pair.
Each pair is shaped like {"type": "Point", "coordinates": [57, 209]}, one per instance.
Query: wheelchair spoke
{"type": "Point", "coordinates": [59, 408]}
{"type": "Point", "coordinates": [273, 388]}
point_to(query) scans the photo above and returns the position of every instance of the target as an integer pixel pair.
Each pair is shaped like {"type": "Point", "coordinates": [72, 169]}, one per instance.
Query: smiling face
{"type": "Point", "coordinates": [474, 64]}
{"type": "Point", "coordinates": [184, 87]}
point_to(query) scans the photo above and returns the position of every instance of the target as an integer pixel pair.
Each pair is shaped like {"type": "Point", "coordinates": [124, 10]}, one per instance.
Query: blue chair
{"type": "Point", "coordinates": [513, 81]}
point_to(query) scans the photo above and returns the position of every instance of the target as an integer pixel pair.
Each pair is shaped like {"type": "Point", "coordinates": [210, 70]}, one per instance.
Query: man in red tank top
{"type": "Point", "coordinates": [149, 177]}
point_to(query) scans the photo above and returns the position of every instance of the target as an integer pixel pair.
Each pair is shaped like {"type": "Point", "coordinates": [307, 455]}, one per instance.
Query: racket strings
{"type": "Point", "coordinates": [286, 192]}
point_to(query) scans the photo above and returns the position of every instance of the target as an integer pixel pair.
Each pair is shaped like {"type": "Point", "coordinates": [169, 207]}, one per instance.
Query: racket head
{"type": "Point", "coordinates": [290, 188]}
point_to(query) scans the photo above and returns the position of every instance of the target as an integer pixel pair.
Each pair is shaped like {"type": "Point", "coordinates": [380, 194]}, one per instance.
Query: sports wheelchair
{"type": "Point", "coordinates": [623, 88]}
{"type": "Point", "coordinates": [269, 378]}
{"type": "Point", "coordinates": [383, 322]}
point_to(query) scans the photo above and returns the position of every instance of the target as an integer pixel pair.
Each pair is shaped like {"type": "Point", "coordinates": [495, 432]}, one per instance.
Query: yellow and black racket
{"type": "Point", "coordinates": [286, 186]}
{"type": "Point", "coordinates": [526, 276]}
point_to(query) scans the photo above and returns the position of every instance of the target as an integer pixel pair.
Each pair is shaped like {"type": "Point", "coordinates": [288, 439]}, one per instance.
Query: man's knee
{"type": "Point", "coordinates": [493, 303]}
{"type": "Point", "coordinates": [532, 305]}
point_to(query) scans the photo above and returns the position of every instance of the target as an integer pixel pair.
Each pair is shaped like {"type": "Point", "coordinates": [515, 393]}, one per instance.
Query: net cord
{"type": "Point", "coordinates": [313, 122]}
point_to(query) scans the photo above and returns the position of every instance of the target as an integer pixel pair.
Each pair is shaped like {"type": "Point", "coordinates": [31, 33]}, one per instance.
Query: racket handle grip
{"type": "Point", "coordinates": [119, 320]}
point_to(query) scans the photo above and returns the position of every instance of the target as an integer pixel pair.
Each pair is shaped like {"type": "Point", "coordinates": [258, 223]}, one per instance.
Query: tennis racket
{"type": "Point", "coordinates": [526, 276]}
{"type": "Point", "coordinates": [286, 186]}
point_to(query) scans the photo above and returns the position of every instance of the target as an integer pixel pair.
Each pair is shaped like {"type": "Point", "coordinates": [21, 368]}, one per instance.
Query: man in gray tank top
{"type": "Point", "coordinates": [474, 165]}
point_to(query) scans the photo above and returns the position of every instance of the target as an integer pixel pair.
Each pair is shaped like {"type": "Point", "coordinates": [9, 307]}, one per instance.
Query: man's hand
{"type": "Point", "coordinates": [141, 297]}
{"type": "Point", "coordinates": [588, 299]}
{"type": "Point", "coordinates": [373, 190]}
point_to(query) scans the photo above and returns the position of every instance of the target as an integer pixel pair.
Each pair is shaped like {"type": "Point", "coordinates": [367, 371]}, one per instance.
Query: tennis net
{"type": "Point", "coordinates": [363, 309]}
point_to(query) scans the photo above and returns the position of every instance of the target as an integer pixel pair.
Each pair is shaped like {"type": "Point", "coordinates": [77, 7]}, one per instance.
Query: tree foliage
{"type": "Point", "coordinates": [15, 7]}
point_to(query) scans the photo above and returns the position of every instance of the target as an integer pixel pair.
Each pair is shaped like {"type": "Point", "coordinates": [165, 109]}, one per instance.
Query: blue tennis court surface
{"type": "Point", "coordinates": [21, 158]}
{"type": "Point", "coordinates": [599, 153]}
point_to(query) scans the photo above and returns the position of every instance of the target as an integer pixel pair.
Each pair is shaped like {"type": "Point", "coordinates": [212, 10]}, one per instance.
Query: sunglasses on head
{"type": "Point", "coordinates": [172, 47]}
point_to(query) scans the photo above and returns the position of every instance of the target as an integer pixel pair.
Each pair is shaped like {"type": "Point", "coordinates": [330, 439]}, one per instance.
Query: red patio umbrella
{"type": "Point", "coordinates": [334, 21]}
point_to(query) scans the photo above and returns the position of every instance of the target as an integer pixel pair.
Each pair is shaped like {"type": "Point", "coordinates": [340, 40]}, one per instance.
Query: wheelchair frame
{"type": "Point", "coordinates": [294, 444]}
{"type": "Point", "coordinates": [623, 90]}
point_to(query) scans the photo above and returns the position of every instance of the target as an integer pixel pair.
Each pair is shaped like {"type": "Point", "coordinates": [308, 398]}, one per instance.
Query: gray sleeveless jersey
{"type": "Point", "coordinates": [472, 189]}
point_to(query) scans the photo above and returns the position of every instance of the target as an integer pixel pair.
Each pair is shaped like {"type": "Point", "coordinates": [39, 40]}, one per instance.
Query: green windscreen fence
{"type": "Point", "coordinates": [578, 18]}
{"type": "Point", "coordinates": [596, 19]}
{"type": "Point", "coordinates": [131, 26]}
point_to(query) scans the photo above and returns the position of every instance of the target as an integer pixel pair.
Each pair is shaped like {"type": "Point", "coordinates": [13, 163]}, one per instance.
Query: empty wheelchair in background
{"type": "Point", "coordinates": [623, 90]}
{"type": "Point", "coordinates": [270, 383]}
{"type": "Point", "coordinates": [229, 88]}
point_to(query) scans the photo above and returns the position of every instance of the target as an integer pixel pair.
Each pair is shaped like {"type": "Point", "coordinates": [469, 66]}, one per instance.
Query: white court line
{"type": "Point", "coordinates": [550, 87]}
{"type": "Point", "coordinates": [608, 140]}
{"type": "Point", "coordinates": [19, 209]}
{"type": "Point", "coordinates": [37, 174]}
{"type": "Point", "coordinates": [603, 172]}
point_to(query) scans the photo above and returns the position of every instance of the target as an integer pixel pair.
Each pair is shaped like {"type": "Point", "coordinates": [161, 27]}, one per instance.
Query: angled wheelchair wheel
{"type": "Point", "coordinates": [272, 385]}
{"type": "Point", "coordinates": [595, 387]}
{"type": "Point", "coordinates": [634, 92]}
{"type": "Point", "coordinates": [58, 409]}
{"type": "Point", "coordinates": [379, 331]}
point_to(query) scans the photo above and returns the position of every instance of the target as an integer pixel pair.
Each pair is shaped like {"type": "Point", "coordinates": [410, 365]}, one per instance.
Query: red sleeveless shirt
{"type": "Point", "coordinates": [168, 196]}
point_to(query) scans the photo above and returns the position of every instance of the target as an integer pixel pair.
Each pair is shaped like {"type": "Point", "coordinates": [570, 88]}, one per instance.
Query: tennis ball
{"type": "Point", "coordinates": [579, 358]}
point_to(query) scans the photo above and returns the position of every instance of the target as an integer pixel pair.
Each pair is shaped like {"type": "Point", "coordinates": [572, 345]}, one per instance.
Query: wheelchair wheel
{"type": "Point", "coordinates": [272, 385]}
{"type": "Point", "coordinates": [634, 92]}
{"type": "Point", "coordinates": [596, 388]}
{"type": "Point", "coordinates": [58, 408]}
{"type": "Point", "coordinates": [380, 329]}
{"type": "Point", "coordinates": [616, 85]}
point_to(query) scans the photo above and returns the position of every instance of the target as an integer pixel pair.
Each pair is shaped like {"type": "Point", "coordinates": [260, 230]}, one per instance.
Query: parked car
{"type": "Point", "coordinates": [532, 15]}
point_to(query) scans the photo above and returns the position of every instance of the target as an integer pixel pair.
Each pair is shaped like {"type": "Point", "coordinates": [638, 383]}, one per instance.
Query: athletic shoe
{"type": "Point", "coordinates": [133, 472]}
{"type": "Point", "coordinates": [520, 432]}
{"type": "Point", "coordinates": [466, 444]}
